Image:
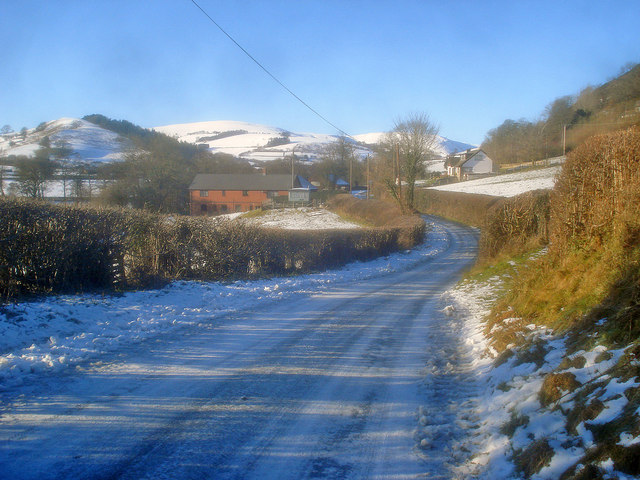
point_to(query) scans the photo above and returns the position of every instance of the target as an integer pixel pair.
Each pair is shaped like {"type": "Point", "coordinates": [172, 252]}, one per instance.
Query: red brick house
{"type": "Point", "coordinates": [213, 194]}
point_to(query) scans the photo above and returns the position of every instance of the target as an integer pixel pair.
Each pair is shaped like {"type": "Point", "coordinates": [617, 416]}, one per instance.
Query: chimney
{"type": "Point", "coordinates": [264, 170]}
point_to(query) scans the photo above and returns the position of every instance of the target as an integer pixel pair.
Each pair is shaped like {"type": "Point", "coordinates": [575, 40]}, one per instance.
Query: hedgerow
{"type": "Point", "coordinates": [47, 248]}
{"type": "Point", "coordinates": [508, 225]}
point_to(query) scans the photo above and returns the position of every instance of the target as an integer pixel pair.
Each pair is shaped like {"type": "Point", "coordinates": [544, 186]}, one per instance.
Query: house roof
{"type": "Point", "coordinates": [460, 158]}
{"type": "Point", "coordinates": [338, 181]}
{"type": "Point", "coordinates": [208, 181]}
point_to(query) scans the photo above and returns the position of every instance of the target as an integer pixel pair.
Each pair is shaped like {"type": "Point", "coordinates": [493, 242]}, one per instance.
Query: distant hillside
{"type": "Point", "coordinates": [260, 143]}
{"type": "Point", "coordinates": [98, 139]}
{"type": "Point", "coordinates": [89, 142]}
{"type": "Point", "coordinates": [568, 121]}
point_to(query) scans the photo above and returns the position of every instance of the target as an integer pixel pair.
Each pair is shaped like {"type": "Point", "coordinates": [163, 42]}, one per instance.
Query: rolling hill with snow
{"type": "Point", "coordinates": [90, 143]}
{"type": "Point", "coordinates": [261, 143]}
{"type": "Point", "coordinates": [253, 142]}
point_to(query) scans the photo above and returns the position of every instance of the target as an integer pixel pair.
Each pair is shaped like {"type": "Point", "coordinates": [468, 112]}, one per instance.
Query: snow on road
{"type": "Point", "coordinates": [508, 185]}
{"type": "Point", "coordinates": [354, 373]}
{"type": "Point", "coordinates": [56, 333]}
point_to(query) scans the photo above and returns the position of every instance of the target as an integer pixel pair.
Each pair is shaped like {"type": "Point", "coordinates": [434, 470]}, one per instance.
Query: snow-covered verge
{"type": "Point", "coordinates": [542, 411]}
{"type": "Point", "coordinates": [55, 333]}
{"type": "Point", "coordinates": [508, 185]}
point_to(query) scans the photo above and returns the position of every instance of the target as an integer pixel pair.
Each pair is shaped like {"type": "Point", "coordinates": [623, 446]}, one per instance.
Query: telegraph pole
{"type": "Point", "coordinates": [368, 182]}
{"type": "Point", "coordinates": [399, 176]}
{"type": "Point", "coordinates": [293, 157]}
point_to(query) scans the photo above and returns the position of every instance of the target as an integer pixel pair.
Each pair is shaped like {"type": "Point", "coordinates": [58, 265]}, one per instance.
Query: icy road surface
{"type": "Point", "coordinates": [332, 385]}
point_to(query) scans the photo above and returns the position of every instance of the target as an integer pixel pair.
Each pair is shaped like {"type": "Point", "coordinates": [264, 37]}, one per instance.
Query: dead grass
{"type": "Point", "coordinates": [583, 412]}
{"type": "Point", "coordinates": [505, 331]}
{"type": "Point", "coordinates": [558, 293]}
{"type": "Point", "coordinates": [534, 353]}
{"type": "Point", "coordinates": [516, 421]}
{"type": "Point", "coordinates": [588, 472]}
{"type": "Point", "coordinates": [555, 385]}
{"type": "Point", "coordinates": [258, 212]}
{"type": "Point", "coordinates": [534, 458]}
{"type": "Point", "coordinates": [576, 362]}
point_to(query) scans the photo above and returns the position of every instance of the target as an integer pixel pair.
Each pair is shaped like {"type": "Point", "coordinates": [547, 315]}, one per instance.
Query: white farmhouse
{"type": "Point", "coordinates": [468, 164]}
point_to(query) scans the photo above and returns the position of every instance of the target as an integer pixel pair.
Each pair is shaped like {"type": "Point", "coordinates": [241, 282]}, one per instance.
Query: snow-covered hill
{"type": "Point", "coordinates": [89, 142]}
{"type": "Point", "coordinates": [256, 142]}
{"type": "Point", "coordinates": [250, 141]}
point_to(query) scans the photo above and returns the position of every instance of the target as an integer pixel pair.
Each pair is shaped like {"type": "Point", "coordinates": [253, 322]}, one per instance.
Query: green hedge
{"type": "Point", "coordinates": [50, 248]}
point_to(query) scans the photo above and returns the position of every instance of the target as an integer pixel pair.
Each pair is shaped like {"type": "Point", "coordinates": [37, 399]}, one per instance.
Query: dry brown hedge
{"type": "Point", "coordinates": [410, 229]}
{"type": "Point", "coordinates": [508, 225]}
{"type": "Point", "coordinates": [467, 208]}
{"type": "Point", "coordinates": [597, 194]}
{"type": "Point", "coordinates": [50, 248]}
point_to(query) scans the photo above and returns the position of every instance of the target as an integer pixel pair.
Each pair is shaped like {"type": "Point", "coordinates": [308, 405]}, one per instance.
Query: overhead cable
{"type": "Point", "coordinates": [342, 132]}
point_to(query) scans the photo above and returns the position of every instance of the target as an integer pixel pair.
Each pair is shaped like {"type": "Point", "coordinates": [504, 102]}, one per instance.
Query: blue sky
{"type": "Point", "coordinates": [362, 64]}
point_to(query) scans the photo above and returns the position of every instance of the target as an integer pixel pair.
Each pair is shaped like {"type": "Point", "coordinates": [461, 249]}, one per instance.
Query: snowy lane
{"type": "Point", "coordinates": [322, 386]}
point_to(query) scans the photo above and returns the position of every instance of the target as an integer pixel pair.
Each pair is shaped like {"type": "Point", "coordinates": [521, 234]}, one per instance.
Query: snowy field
{"type": "Point", "coordinates": [508, 185]}
{"type": "Point", "coordinates": [295, 219]}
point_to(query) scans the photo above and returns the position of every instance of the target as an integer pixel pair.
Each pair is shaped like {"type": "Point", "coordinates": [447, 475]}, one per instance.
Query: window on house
{"type": "Point", "coordinates": [245, 193]}
{"type": "Point", "coordinates": [204, 193]}
{"type": "Point", "coordinates": [224, 193]}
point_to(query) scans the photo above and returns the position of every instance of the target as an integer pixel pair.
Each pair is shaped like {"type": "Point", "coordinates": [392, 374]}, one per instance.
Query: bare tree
{"type": "Point", "coordinates": [33, 173]}
{"type": "Point", "coordinates": [61, 153]}
{"type": "Point", "coordinates": [336, 162]}
{"type": "Point", "coordinates": [403, 153]}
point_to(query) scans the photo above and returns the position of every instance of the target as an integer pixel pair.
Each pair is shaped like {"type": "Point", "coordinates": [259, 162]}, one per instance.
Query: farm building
{"type": "Point", "coordinates": [212, 194]}
{"type": "Point", "coordinates": [468, 164]}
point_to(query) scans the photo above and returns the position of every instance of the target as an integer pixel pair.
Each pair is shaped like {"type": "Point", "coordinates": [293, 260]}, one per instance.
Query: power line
{"type": "Point", "coordinates": [268, 72]}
